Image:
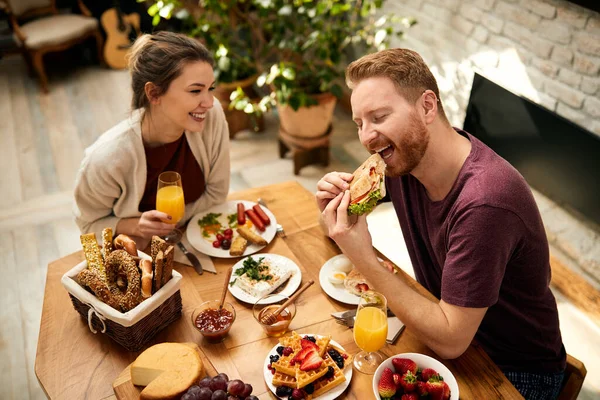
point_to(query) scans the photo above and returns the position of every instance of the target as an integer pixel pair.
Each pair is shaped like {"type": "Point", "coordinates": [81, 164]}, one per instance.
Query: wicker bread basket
{"type": "Point", "coordinates": [135, 328]}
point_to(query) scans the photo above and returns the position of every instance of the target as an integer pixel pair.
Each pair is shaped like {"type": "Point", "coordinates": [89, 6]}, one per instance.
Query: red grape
{"type": "Point", "coordinates": [218, 383]}
{"type": "Point", "coordinates": [247, 391]}
{"type": "Point", "coordinates": [205, 382]}
{"type": "Point", "coordinates": [204, 394]}
{"type": "Point", "coordinates": [235, 387]}
{"type": "Point", "coordinates": [224, 376]}
{"type": "Point", "coordinates": [219, 395]}
{"type": "Point", "coordinates": [226, 244]}
{"type": "Point", "coordinates": [216, 244]}
{"type": "Point", "coordinates": [220, 237]}
{"type": "Point", "coordinates": [228, 232]}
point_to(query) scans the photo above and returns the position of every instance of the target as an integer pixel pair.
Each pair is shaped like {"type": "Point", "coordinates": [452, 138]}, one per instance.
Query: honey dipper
{"type": "Point", "coordinates": [271, 318]}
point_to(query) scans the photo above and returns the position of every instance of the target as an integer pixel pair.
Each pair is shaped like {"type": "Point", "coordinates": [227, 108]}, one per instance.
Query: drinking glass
{"type": "Point", "coordinates": [169, 199]}
{"type": "Point", "coordinates": [370, 331]}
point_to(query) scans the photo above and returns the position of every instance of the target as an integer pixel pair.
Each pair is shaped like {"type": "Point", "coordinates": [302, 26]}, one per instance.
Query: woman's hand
{"type": "Point", "coordinates": [330, 186]}
{"type": "Point", "coordinates": [151, 223]}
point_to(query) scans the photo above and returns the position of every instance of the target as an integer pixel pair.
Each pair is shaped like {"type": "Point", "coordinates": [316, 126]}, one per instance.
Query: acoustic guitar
{"type": "Point", "coordinates": [121, 31]}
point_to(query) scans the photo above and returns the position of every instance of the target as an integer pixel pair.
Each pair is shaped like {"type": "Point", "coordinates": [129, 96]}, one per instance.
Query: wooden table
{"type": "Point", "coordinates": [73, 363]}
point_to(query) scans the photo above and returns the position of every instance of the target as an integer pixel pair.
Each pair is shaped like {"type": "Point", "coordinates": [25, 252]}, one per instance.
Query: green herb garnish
{"type": "Point", "coordinates": [232, 220]}
{"type": "Point", "coordinates": [256, 270]}
{"type": "Point", "coordinates": [210, 219]}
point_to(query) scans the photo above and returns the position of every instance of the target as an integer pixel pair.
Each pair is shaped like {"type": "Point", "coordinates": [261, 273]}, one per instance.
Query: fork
{"type": "Point", "coordinates": [279, 228]}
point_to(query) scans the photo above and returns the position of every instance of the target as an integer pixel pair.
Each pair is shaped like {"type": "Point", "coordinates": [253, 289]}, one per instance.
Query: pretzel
{"type": "Point", "coordinates": [126, 243]}
{"type": "Point", "coordinates": [108, 291]}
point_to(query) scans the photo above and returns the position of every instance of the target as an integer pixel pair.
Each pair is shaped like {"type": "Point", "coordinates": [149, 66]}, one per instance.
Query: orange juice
{"type": "Point", "coordinates": [370, 329]}
{"type": "Point", "coordinates": [169, 199]}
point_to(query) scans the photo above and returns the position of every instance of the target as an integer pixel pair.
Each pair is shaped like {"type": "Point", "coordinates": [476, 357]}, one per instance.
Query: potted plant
{"type": "Point", "coordinates": [309, 44]}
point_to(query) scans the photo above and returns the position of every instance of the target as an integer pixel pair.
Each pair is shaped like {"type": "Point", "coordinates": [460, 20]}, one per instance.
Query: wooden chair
{"type": "Point", "coordinates": [41, 29]}
{"type": "Point", "coordinates": [573, 381]}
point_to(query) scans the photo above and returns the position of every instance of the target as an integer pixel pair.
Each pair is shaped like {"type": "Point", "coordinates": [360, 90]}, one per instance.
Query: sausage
{"type": "Point", "coordinates": [261, 214]}
{"type": "Point", "coordinates": [255, 220]}
{"type": "Point", "coordinates": [241, 216]}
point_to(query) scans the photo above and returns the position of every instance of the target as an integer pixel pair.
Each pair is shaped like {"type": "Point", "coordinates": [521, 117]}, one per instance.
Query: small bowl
{"type": "Point", "coordinates": [284, 319]}
{"type": "Point", "coordinates": [423, 362]}
{"type": "Point", "coordinates": [209, 309]}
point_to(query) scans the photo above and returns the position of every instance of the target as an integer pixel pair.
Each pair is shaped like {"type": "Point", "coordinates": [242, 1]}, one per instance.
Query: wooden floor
{"type": "Point", "coordinates": [42, 138]}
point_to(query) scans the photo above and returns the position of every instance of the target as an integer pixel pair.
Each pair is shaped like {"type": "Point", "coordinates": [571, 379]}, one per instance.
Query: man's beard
{"type": "Point", "coordinates": [411, 148]}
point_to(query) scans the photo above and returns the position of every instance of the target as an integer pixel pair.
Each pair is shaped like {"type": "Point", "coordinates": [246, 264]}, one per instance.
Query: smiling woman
{"type": "Point", "coordinates": [176, 125]}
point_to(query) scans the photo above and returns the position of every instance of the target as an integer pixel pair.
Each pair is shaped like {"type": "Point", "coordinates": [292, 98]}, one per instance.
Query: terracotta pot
{"type": "Point", "coordinates": [237, 119]}
{"type": "Point", "coordinates": [310, 121]}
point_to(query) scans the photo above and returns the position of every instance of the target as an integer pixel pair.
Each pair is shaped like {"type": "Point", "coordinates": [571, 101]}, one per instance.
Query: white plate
{"type": "Point", "coordinates": [194, 232]}
{"type": "Point", "coordinates": [331, 394]}
{"type": "Point", "coordinates": [423, 362]}
{"type": "Point", "coordinates": [337, 292]}
{"type": "Point", "coordinates": [286, 289]}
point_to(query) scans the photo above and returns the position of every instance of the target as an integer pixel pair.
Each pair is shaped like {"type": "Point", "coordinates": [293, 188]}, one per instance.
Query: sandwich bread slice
{"type": "Point", "coordinates": [367, 186]}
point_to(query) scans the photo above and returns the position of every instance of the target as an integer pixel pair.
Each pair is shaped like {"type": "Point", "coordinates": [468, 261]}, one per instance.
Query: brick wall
{"type": "Point", "coordinates": [546, 50]}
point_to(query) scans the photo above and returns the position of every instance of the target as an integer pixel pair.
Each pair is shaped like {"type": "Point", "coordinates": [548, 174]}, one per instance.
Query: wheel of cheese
{"type": "Point", "coordinates": [167, 370]}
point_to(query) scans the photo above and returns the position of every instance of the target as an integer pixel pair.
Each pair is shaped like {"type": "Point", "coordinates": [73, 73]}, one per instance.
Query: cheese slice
{"type": "Point", "coordinates": [167, 370]}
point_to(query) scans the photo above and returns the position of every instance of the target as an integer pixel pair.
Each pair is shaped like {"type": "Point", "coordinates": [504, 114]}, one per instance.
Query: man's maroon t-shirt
{"type": "Point", "coordinates": [484, 245]}
{"type": "Point", "coordinates": [176, 156]}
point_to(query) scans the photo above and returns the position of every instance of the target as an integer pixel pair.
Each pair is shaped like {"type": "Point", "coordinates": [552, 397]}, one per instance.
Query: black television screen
{"type": "Point", "coordinates": [556, 157]}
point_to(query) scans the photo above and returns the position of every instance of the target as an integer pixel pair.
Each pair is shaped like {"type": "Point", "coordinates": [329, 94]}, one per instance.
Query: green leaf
{"type": "Point", "coordinates": [156, 20]}
{"type": "Point", "coordinates": [152, 10]}
{"type": "Point", "coordinates": [288, 73]}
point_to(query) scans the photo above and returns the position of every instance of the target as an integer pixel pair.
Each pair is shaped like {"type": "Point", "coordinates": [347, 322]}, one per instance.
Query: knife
{"type": "Point", "coordinates": [192, 257]}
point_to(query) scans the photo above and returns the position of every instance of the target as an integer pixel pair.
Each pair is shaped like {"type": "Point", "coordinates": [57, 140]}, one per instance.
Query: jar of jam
{"type": "Point", "coordinates": [213, 323]}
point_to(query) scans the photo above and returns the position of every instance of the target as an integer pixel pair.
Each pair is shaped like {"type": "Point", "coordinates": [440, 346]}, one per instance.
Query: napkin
{"type": "Point", "coordinates": [205, 261]}
{"type": "Point", "coordinates": [387, 236]}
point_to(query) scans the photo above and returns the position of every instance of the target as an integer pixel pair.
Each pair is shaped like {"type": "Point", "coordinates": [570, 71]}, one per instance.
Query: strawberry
{"type": "Point", "coordinates": [397, 380]}
{"type": "Point", "coordinates": [404, 364]}
{"type": "Point", "coordinates": [410, 396]}
{"type": "Point", "coordinates": [301, 355]}
{"type": "Point", "coordinates": [446, 395]}
{"type": "Point", "coordinates": [312, 361]}
{"type": "Point", "coordinates": [428, 373]}
{"type": "Point", "coordinates": [435, 389]}
{"type": "Point", "coordinates": [386, 385]}
{"type": "Point", "coordinates": [421, 388]}
{"type": "Point", "coordinates": [307, 343]}
{"type": "Point", "coordinates": [362, 287]}
{"type": "Point", "coordinates": [408, 382]}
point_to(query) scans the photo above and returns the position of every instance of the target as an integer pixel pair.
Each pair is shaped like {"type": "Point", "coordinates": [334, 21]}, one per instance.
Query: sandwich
{"type": "Point", "coordinates": [367, 186]}
{"type": "Point", "coordinates": [356, 283]}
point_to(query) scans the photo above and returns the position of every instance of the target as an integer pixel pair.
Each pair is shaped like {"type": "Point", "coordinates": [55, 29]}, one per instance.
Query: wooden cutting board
{"type": "Point", "coordinates": [126, 390]}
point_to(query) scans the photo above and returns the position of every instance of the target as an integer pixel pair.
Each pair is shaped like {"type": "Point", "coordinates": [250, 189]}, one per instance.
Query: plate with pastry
{"type": "Point", "coordinates": [341, 281]}
{"type": "Point", "coordinates": [261, 274]}
{"type": "Point", "coordinates": [308, 365]}
{"type": "Point", "coordinates": [232, 229]}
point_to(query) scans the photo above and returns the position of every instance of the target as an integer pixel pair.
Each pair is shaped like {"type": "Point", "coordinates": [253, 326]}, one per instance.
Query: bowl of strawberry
{"type": "Point", "coordinates": [413, 376]}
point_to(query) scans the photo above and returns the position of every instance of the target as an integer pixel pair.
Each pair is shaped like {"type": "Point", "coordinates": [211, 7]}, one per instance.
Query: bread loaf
{"type": "Point", "coordinates": [158, 271]}
{"type": "Point", "coordinates": [147, 275]}
{"type": "Point", "coordinates": [126, 243]}
{"type": "Point", "coordinates": [167, 265]}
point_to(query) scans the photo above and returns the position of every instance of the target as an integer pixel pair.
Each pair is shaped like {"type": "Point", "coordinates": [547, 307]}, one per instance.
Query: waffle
{"type": "Point", "coordinates": [283, 364]}
{"type": "Point", "coordinates": [280, 379]}
{"type": "Point", "coordinates": [322, 343]}
{"type": "Point", "coordinates": [324, 385]}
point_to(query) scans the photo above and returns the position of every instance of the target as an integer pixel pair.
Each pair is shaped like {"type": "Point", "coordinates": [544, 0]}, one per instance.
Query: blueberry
{"type": "Point", "coordinates": [330, 372]}
{"type": "Point", "coordinates": [274, 358]}
{"type": "Point", "coordinates": [280, 350]}
{"type": "Point", "coordinates": [282, 391]}
{"type": "Point", "coordinates": [311, 338]}
{"type": "Point", "coordinates": [310, 388]}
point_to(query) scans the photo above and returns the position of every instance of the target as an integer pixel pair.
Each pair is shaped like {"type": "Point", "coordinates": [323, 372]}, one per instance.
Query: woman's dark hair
{"type": "Point", "coordinates": [159, 58]}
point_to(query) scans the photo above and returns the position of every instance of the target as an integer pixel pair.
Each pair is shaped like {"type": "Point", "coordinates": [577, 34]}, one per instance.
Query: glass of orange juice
{"type": "Point", "coordinates": [169, 199]}
{"type": "Point", "coordinates": [370, 331]}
